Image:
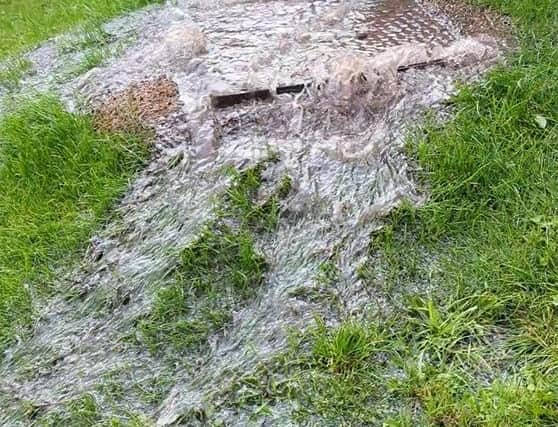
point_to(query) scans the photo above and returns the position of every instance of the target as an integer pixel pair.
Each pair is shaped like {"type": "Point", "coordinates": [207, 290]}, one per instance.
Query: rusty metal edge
{"type": "Point", "coordinates": [229, 100]}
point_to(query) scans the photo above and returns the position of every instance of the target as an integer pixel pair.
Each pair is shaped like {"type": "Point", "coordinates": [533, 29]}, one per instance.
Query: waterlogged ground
{"type": "Point", "coordinates": [204, 273]}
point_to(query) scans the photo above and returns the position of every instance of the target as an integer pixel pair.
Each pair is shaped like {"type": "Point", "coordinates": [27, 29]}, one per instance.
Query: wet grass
{"type": "Point", "coordinates": [328, 376]}
{"type": "Point", "coordinates": [12, 72]}
{"type": "Point", "coordinates": [95, 44]}
{"type": "Point", "coordinates": [469, 335]}
{"type": "Point", "coordinates": [92, 58]}
{"type": "Point", "coordinates": [469, 332]}
{"type": "Point", "coordinates": [217, 272]}
{"type": "Point", "coordinates": [90, 35]}
{"type": "Point", "coordinates": [124, 383]}
{"type": "Point", "coordinates": [58, 178]}
{"type": "Point", "coordinates": [341, 367]}
{"type": "Point", "coordinates": [487, 334]}
{"type": "Point", "coordinates": [240, 199]}
{"type": "Point", "coordinates": [82, 411]}
{"type": "Point", "coordinates": [24, 23]}
{"type": "Point", "coordinates": [85, 411]}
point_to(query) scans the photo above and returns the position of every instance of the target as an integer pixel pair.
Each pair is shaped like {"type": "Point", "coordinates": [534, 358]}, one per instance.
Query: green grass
{"type": "Point", "coordinates": [24, 23]}
{"type": "Point", "coordinates": [91, 59]}
{"type": "Point", "coordinates": [481, 345]}
{"type": "Point", "coordinates": [330, 376]}
{"type": "Point", "coordinates": [93, 41]}
{"type": "Point", "coordinates": [95, 44]}
{"type": "Point", "coordinates": [469, 334]}
{"type": "Point", "coordinates": [84, 411]}
{"type": "Point", "coordinates": [90, 35]}
{"type": "Point", "coordinates": [345, 348]}
{"type": "Point", "coordinates": [489, 332]}
{"type": "Point", "coordinates": [58, 178]}
{"type": "Point", "coordinates": [219, 270]}
{"type": "Point", "coordinates": [12, 72]}
{"type": "Point", "coordinates": [241, 203]}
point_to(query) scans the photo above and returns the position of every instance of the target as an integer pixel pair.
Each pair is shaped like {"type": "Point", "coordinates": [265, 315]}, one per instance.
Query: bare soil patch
{"type": "Point", "coordinates": [474, 20]}
{"type": "Point", "coordinates": [140, 104]}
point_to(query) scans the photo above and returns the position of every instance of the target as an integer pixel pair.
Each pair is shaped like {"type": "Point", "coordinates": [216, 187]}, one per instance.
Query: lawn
{"type": "Point", "coordinates": [59, 177]}
{"type": "Point", "coordinates": [24, 23]}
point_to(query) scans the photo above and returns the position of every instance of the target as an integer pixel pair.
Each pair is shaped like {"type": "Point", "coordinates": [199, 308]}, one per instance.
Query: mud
{"type": "Point", "coordinates": [341, 141]}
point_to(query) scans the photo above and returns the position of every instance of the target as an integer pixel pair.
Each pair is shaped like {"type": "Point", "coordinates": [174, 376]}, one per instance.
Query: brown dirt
{"type": "Point", "coordinates": [139, 105]}
{"type": "Point", "coordinates": [474, 20]}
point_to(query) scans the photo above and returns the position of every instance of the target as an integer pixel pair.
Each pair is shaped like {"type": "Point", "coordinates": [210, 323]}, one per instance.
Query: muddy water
{"type": "Point", "coordinates": [341, 144]}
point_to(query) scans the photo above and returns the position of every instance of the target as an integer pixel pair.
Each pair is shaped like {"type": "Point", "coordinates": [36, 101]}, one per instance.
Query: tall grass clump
{"type": "Point", "coordinates": [58, 177]}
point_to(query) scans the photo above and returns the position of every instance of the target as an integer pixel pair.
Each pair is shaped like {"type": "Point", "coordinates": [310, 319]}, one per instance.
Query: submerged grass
{"type": "Point", "coordinates": [82, 411]}
{"type": "Point", "coordinates": [218, 271]}
{"type": "Point", "coordinates": [86, 411]}
{"type": "Point", "coordinates": [12, 71]}
{"type": "Point", "coordinates": [58, 177]}
{"type": "Point", "coordinates": [95, 44]}
{"type": "Point", "coordinates": [24, 23]}
{"type": "Point", "coordinates": [241, 203]}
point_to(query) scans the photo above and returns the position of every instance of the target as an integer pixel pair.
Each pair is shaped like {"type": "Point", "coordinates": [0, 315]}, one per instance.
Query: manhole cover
{"type": "Point", "coordinates": [396, 22]}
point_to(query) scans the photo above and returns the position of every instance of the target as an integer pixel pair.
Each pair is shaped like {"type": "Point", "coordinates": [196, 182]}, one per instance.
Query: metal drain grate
{"type": "Point", "coordinates": [396, 22]}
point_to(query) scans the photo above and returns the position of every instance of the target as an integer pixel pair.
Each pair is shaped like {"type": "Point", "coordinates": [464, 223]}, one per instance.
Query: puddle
{"type": "Point", "coordinates": [341, 142]}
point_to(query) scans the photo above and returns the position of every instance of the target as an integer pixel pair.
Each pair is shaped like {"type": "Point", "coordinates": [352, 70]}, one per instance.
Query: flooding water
{"type": "Point", "coordinates": [341, 144]}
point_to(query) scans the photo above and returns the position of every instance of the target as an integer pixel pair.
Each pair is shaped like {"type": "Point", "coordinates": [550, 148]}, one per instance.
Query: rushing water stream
{"type": "Point", "coordinates": [341, 144]}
